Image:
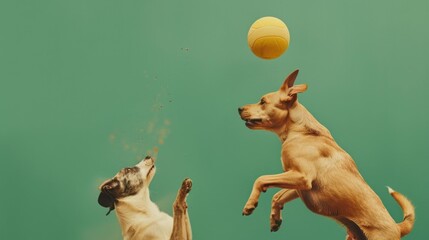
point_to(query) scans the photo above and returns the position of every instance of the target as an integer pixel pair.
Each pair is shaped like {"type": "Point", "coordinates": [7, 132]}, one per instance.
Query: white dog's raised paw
{"type": "Point", "coordinates": [187, 185]}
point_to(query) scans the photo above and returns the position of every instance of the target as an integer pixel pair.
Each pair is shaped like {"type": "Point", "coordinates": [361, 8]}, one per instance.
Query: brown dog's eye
{"type": "Point", "coordinates": [262, 102]}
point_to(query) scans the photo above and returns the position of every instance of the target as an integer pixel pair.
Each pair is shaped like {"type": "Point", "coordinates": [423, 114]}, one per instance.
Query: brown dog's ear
{"type": "Point", "coordinates": [297, 89]}
{"type": "Point", "coordinates": [290, 95]}
{"type": "Point", "coordinates": [289, 81]}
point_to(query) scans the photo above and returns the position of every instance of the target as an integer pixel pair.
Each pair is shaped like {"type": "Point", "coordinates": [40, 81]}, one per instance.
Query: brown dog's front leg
{"type": "Point", "coordinates": [181, 223]}
{"type": "Point", "coordinates": [279, 199]}
{"type": "Point", "coordinates": [290, 179]}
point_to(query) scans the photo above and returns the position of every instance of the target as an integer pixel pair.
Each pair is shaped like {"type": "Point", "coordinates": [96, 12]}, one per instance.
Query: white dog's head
{"type": "Point", "coordinates": [127, 182]}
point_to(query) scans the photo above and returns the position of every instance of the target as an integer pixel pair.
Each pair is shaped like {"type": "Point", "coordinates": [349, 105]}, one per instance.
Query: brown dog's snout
{"type": "Point", "coordinates": [240, 110]}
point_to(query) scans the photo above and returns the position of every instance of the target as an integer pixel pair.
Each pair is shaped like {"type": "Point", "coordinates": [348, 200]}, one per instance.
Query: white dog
{"type": "Point", "coordinates": [139, 217]}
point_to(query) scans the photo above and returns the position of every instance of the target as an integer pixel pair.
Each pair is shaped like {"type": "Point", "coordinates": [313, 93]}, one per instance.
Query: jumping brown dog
{"type": "Point", "coordinates": [319, 171]}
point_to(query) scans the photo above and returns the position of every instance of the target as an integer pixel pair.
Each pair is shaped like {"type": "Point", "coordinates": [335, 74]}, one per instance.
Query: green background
{"type": "Point", "coordinates": [90, 86]}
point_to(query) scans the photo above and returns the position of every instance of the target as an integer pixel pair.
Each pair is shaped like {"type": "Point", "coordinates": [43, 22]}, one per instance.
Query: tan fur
{"type": "Point", "coordinates": [318, 170]}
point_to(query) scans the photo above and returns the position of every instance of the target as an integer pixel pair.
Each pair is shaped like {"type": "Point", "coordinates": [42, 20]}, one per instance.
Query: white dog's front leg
{"type": "Point", "coordinates": [181, 223]}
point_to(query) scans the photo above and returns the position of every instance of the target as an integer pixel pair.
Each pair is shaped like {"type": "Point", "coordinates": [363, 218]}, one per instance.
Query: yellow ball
{"type": "Point", "coordinates": [268, 37]}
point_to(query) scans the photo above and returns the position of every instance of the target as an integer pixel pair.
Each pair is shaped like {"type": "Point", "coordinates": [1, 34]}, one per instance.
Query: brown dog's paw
{"type": "Point", "coordinates": [187, 185]}
{"type": "Point", "coordinates": [247, 211]}
{"type": "Point", "coordinates": [249, 208]}
{"type": "Point", "coordinates": [275, 224]}
{"type": "Point", "coordinates": [275, 218]}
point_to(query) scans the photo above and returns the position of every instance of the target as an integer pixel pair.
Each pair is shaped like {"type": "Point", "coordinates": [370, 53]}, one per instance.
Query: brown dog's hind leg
{"type": "Point", "coordinates": [279, 199]}
{"type": "Point", "coordinates": [181, 223]}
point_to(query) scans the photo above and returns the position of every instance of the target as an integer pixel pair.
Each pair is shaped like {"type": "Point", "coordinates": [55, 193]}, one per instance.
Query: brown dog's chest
{"type": "Point", "coordinates": [304, 157]}
{"type": "Point", "coordinates": [316, 202]}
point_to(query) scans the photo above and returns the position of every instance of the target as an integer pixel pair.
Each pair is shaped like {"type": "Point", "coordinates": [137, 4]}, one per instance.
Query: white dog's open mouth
{"type": "Point", "coordinates": [253, 121]}
{"type": "Point", "coordinates": [150, 170]}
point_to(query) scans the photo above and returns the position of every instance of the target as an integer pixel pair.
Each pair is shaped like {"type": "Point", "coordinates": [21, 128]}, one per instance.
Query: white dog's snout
{"type": "Point", "coordinates": [148, 160]}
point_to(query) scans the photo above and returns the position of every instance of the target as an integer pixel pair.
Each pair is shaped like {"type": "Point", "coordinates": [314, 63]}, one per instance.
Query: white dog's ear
{"type": "Point", "coordinates": [289, 81]}
{"type": "Point", "coordinates": [106, 199]}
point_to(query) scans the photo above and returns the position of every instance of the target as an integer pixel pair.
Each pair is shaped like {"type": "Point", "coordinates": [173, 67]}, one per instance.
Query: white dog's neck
{"type": "Point", "coordinates": [135, 211]}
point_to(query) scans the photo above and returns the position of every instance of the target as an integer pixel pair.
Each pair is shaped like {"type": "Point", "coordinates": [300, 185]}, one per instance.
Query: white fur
{"type": "Point", "coordinates": [390, 190]}
{"type": "Point", "coordinates": [140, 218]}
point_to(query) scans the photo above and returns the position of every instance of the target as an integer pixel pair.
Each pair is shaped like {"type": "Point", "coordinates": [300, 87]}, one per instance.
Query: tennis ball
{"type": "Point", "coordinates": [268, 37]}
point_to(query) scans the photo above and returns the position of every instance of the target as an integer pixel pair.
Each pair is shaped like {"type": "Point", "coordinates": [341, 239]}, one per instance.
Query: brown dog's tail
{"type": "Point", "coordinates": [409, 215]}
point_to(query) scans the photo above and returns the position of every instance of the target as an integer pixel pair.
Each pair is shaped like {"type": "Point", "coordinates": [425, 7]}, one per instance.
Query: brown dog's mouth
{"type": "Point", "coordinates": [253, 121]}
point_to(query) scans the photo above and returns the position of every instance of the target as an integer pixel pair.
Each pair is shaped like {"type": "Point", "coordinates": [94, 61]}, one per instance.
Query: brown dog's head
{"type": "Point", "coordinates": [271, 112]}
{"type": "Point", "coordinates": [127, 182]}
